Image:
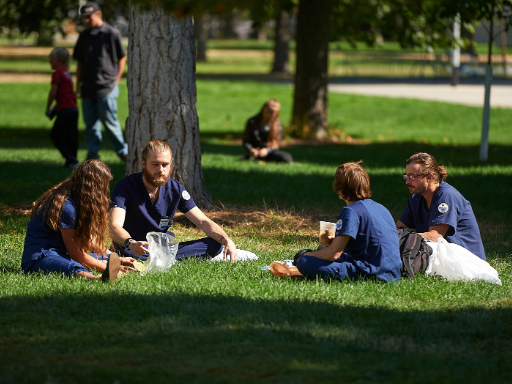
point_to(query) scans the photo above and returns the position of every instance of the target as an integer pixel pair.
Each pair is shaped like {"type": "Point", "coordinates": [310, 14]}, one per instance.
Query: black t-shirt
{"type": "Point", "coordinates": [256, 135]}
{"type": "Point", "coordinates": [99, 51]}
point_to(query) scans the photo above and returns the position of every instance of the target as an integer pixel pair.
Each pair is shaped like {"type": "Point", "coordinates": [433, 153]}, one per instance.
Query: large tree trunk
{"type": "Point", "coordinates": [162, 95]}
{"type": "Point", "coordinates": [201, 26]}
{"type": "Point", "coordinates": [311, 78]}
{"type": "Point", "coordinates": [282, 43]}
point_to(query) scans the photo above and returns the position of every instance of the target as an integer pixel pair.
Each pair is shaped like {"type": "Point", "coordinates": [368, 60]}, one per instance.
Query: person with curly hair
{"type": "Point", "coordinates": [436, 209]}
{"type": "Point", "coordinates": [263, 133]}
{"type": "Point", "coordinates": [365, 243]}
{"type": "Point", "coordinates": [69, 220]}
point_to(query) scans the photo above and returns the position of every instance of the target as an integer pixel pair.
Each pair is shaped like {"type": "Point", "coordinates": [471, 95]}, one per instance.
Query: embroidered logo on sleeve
{"type": "Point", "coordinates": [339, 224]}
{"type": "Point", "coordinates": [443, 208]}
{"type": "Point", "coordinates": [185, 195]}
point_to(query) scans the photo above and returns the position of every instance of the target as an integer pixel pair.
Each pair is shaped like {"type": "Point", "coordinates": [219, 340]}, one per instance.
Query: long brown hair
{"type": "Point", "coordinates": [89, 186]}
{"type": "Point", "coordinates": [274, 134]}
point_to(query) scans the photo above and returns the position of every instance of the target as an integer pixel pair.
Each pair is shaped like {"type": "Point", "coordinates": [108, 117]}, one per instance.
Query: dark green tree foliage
{"type": "Point", "coordinates": [43, 16]}
{"type": "Point", "coordinates": [46, 16]}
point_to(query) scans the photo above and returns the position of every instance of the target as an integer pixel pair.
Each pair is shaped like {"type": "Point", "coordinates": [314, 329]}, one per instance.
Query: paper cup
{"type": "Point", "coordinates": [326, 229]}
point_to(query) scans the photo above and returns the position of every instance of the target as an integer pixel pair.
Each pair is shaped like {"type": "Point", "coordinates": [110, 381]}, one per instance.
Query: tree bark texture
{"type": "Point", "coordinates": [201, 26]}
{"type": "Point", "coordinates": [309, 117]}
{"type": "Point", "coordinates": [282, 43]}
{"type": "Point", "coordinates": [162, 95]}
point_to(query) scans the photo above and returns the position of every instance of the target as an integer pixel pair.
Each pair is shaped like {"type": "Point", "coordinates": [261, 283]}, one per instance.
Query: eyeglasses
{"type": "Point", "coordinates": [411, 177]}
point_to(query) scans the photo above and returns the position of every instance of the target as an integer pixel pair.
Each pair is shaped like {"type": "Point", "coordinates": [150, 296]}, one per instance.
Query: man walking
{"type": "Point", "coordinates": [101, 59]}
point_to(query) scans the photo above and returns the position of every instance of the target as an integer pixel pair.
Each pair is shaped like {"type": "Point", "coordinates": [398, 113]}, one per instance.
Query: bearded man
{"type": "Point", "coordinates": [147, 202]}
{"type": "Point", "coordinates": [436, 209]}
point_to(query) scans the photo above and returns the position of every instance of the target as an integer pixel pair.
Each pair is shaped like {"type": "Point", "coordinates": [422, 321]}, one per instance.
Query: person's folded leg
{"type": "Point", "coordinates": [53, 262]}
{"type": "Point", "coordinates": [205, 247]}
{"type": "Point", "coordinates": [311, 267]}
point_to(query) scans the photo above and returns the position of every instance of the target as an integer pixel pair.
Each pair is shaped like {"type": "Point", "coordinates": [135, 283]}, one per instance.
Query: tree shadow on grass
{"type": "Point", "coordinates": [214, 338]}
{"type": "Point", "coordinates": [22, 182]}
{"type": "Point", "coordinates": [385, 154]}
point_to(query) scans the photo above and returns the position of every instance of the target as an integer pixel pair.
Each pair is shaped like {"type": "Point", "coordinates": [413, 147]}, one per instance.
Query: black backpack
{"type": "Point", "coordinates": [414, 252]}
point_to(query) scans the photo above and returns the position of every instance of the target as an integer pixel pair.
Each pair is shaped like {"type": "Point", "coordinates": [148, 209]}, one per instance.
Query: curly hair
{"type": "Point", "coordinates": [352, 182]}
{"type": "Point", "coordinates": [89, 187]}
{"type": "Point", "coordinates": [428, 166]}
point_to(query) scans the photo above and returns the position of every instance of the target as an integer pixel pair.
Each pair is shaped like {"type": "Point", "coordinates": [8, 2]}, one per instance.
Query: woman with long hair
{"type": "Point", "coordinates": [69, 220]}
{"type": "Point", "coordinates": [263, 133]}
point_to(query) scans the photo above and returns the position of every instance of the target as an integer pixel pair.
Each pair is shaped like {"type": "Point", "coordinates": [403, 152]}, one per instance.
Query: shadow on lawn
{"type": "Point", "coordinates": [385, 154]}
{"type": "Point", "coordinates": [22, 182]}
{"type": "Point", "coordinates": [200, 337]}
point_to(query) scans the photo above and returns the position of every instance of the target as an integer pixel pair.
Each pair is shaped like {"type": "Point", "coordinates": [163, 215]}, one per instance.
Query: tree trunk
{"type": "Point", "coordinates": [162, 95]}
{"type": "Point", "coordinates": [282, 43]}
{"type": "Point", "coordinates": [201, 25]}
{"type": "Point", "coordinates": [311, 78]}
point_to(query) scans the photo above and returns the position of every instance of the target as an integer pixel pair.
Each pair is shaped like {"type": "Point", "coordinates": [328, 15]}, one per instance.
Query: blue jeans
{"type": "Point", "coordinates": [103, 110]}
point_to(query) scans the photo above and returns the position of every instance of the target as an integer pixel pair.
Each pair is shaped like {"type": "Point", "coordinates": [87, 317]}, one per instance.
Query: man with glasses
{"type": "Point", "coordinates": [436, 209]}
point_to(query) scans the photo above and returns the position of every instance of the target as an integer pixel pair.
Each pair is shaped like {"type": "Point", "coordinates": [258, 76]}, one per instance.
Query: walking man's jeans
{"type": "Point", "coordinates": [103, 110]}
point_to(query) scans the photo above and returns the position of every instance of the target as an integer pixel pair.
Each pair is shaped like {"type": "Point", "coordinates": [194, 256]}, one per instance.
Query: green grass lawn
{"type": "Point", "coordinates": [253, 57]}
{"type": "Point", "coordinates": [222, 323]}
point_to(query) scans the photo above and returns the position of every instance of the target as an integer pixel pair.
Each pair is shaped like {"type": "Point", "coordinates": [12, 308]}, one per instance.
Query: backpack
{"type": "Point", "coordinates": [414, 252]}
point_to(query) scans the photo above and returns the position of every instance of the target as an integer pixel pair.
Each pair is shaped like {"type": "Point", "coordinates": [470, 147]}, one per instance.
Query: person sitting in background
{"type": "Point", "coordinates": [263, 133]}
{"type": "Point", "coordinates": [365, 244]}
{"type": "Point", "coordinates": [67, 221]}
{"type": "Point", "coordinates": [436, 209]}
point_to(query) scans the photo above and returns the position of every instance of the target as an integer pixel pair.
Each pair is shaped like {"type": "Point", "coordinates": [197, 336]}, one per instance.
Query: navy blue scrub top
{"type": "Point", "coordinates": [373, 245]}
{"type": "Point", "coordinates": [41, 238]}
{"type": "Point", "coordinates": [142, 216]}
{"type": "Point", "coordinates": [448, 206]}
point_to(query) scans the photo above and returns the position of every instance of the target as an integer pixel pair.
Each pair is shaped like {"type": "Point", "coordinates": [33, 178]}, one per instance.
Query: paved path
{"type": "Point", "coordinates": [469, 94]}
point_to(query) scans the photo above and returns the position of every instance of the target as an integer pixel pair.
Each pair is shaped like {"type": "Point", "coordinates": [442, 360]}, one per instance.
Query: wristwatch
{"type": "Point", "coordinates": [127, 242]}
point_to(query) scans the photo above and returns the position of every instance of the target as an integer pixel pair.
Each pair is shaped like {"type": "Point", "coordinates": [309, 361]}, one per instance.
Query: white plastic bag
{"type": "Point", "coordinates": [454, 262]}
{"type": "Point", "coordinates": [163, 248]}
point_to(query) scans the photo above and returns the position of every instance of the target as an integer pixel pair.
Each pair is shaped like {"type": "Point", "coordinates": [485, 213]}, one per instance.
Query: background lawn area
{"type": "Point", "coordinates": [225, 323]}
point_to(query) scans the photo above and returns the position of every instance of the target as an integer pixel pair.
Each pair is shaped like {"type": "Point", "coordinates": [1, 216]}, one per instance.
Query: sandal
{"type": "Point", "coordinates": [112, 269]}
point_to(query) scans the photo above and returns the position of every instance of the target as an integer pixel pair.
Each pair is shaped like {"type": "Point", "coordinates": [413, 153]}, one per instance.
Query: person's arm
{"type": "Point", "coordinates": [120, 70]}
{"type": "Point", "coordinates": [78, 79]}
{"type": "Point", "coordinates": [333, 251]}
{"type": "Point", "coordinates": [52, 95]}
{"type": "Point", "coordinates": [213, 231]}
{"type": "Point", "coordinates": [119, 234]}
{"type": "Point", "coordinates": [435, 232]}
{"type": "Point", "coordinates": [69, 237]}
{"type": "Point", "coordinates": [399, 224]}
{"type": "Point", "coordinates": [249, 138]}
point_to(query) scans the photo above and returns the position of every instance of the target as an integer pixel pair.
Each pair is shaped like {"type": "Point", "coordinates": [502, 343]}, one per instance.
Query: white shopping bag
{"type": "Point", "coordinates": [454, 262]}
{"type": "Point", "coordinates": [163, 248]}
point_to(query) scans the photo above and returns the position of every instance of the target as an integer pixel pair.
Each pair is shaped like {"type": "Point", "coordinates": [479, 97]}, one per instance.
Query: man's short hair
{"type": "Point", "coordinates": [428, 166]}
{"type": "Point", "coordinates": [89, 8]}
{"type": "Point", "coordinates": [352, 182]}
{"type": "Point", "coordinates": [156, 146]}
{"type": "Point", "coordinates": [61, 54]}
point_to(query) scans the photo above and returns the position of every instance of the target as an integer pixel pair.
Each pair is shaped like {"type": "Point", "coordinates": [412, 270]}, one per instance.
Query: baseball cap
{"type": "Point", "coordinates": [89, 8]}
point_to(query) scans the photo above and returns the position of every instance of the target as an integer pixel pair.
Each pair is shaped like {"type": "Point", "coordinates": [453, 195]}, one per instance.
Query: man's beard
{"type": "Point", "coordinates": [155, 181]}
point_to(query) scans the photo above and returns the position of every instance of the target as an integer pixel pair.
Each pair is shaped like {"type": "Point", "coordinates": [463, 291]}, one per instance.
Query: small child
{"type": "Point", "coordinates": [366, 242]}
{"type": "Point", "coordinates": [64, 133]}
